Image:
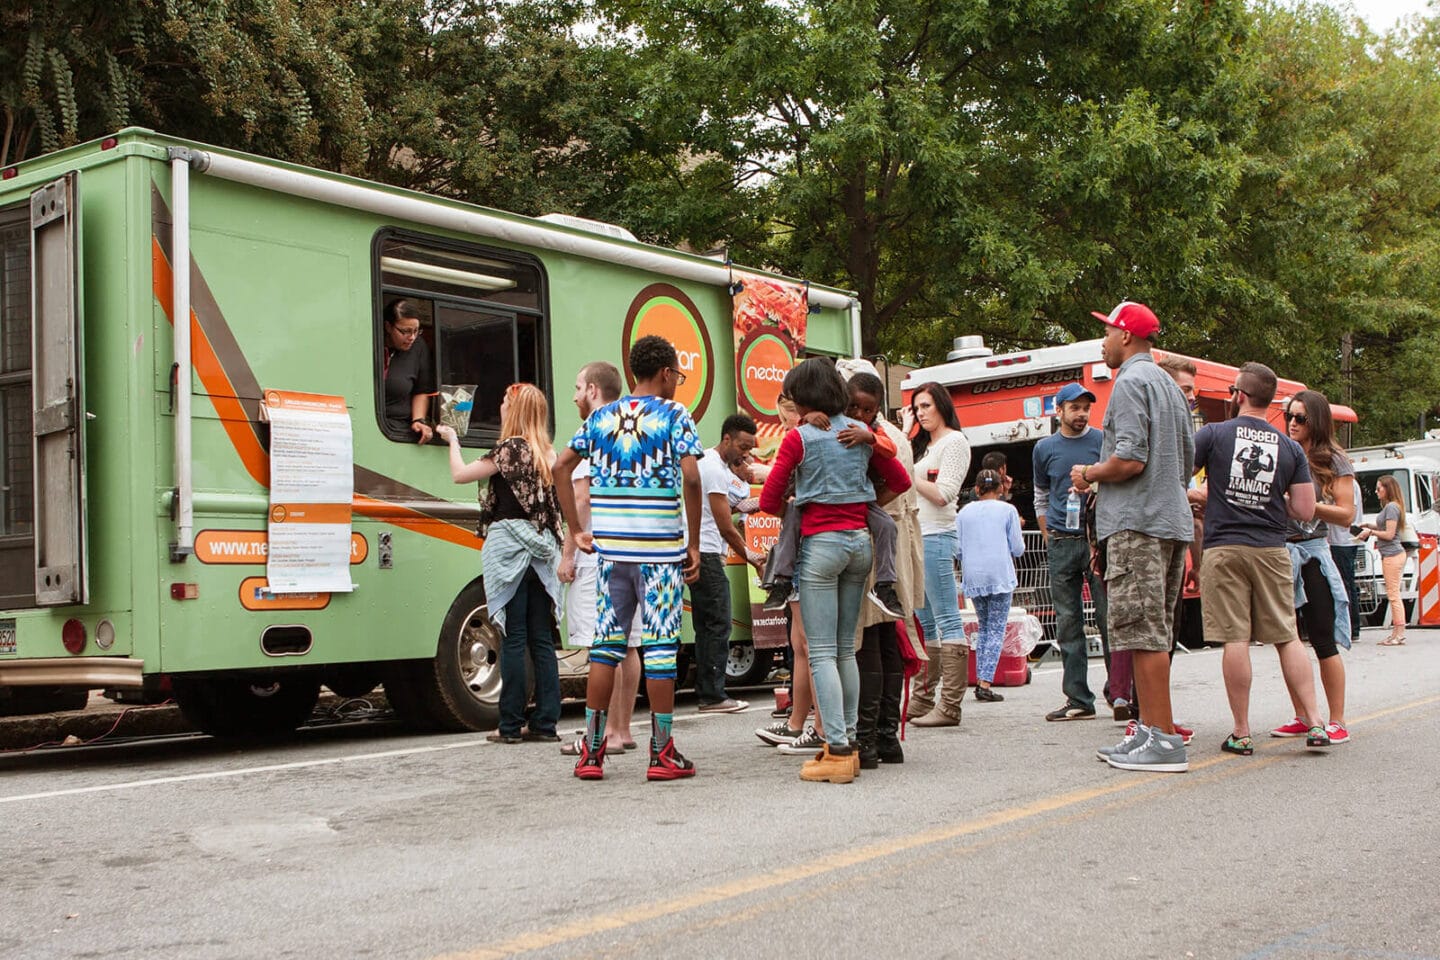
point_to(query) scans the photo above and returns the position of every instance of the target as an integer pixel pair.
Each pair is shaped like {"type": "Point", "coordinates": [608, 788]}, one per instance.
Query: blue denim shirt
{"type": "Point", "coordinates": [1316, 548]}
{"type": "Point", "coordinates": [829, 472]}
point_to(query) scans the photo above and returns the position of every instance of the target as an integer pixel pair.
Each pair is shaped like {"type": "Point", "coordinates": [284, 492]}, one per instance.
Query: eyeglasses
{"type": "Point", "coordinates": [411, 332]}
{"type": "Point", "coordinates": [1299, 418]}
{"type": "Point", "coordinates": [1234, 389]}
{"type": "Point", "coordinates": [679, 377]}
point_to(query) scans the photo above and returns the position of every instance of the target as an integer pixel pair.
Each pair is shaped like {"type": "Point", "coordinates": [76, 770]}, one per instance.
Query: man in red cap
{"type": "Point", "coordinates": [1144, 520]}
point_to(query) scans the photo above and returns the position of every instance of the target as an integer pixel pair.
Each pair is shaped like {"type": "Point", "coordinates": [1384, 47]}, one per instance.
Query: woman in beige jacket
{"type": "Point", "coordinates": [877, 651]}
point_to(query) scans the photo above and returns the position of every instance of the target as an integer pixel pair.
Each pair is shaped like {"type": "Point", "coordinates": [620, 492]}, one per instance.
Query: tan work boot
{"type": "Point", "coordinates": [954, 679]}
{"type": "Point", "coordinates": [830, 768]}
{"type": "Point", "coordinates": [922, 686]}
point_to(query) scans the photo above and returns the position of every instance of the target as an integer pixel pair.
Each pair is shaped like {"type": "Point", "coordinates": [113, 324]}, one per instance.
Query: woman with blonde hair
{"type": "Point", "coordinates": [520, 521]}
{"type": "Point", "coordinates": [1386, 533]}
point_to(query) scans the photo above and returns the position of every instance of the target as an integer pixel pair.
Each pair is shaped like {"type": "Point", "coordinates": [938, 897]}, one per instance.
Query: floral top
{"type": "Point", "coordinates": [516, 491]}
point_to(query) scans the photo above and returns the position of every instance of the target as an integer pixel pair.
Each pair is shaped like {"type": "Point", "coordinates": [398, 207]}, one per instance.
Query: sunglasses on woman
{"type": "Point", "coordinates": [1299, 418]}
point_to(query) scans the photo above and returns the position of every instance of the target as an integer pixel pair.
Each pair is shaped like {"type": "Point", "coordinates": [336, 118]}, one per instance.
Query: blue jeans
{"type": "Point", "coordinates": [940, 617]}
{"type": "Point", "coordinates": [830, 577]}
{"type": "Point", "coordinates": [992, 610]}
{"type": "Point", "coordinates": [528, 637]}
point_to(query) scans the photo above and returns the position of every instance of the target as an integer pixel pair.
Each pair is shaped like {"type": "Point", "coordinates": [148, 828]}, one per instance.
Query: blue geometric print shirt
{"type": "Point", "coordinates": [635, 446]}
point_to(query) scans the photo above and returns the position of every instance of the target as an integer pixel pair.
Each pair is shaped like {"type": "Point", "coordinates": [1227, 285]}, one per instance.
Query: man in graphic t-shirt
{"type": "Point", "coordinates": [643, 451]}
{"type": "Point", "coordinates": [1257, 478]}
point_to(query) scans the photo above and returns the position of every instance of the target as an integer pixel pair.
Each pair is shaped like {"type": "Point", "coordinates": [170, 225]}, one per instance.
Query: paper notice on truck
{"type": "Point", "coordinates": [312, 482]}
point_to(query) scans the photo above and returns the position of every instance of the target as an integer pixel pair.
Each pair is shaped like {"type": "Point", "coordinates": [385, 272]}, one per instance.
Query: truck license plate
{"type": "Point", "coordinates": [8, 642]}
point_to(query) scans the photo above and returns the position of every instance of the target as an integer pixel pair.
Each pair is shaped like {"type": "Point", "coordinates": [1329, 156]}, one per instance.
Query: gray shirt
{"type": "Point", "coordinates": [1147, 420]}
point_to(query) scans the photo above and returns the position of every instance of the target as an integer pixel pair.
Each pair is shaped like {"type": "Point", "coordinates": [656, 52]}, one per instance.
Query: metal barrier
{"type": "Point", "coordinates": [1032, 591]}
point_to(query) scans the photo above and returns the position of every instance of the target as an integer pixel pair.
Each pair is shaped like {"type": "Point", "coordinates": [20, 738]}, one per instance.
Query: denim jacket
{"type": "Point", "coordinates": [1317, 548]}
{"type": "Point", "coordinates": [831, 473]}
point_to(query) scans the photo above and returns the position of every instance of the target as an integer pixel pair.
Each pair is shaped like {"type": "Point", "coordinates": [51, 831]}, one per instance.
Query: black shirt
{"type": "Point", "coordinates": [411, 372]}
{"type": "Point", "coordinates": [506, 506]}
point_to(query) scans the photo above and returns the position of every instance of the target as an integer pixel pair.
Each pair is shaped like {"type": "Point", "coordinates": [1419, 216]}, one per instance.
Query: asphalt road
{"type": "Point", "coordinates": [1004, 838]}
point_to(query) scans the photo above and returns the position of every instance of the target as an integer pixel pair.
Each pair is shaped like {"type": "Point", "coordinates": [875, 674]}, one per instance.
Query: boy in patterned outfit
{"type": "Point", "coordinates": [643, 451]}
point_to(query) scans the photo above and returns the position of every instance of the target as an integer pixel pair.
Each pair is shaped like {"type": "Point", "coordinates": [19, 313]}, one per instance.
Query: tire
{"type": "Point", "coordinates": [460, 688]}
{"type": "Point", "coordinates": [19, 701]}
{"type": "Point", "coordinates": [747, 666]}
{"type": "Point", "coordinates": [243, 706]}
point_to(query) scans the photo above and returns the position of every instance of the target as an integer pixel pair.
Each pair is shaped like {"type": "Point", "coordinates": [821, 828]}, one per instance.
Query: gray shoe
{"type": "Point", "coordinates": [1161, 753]}
{"type": "Point", "coordinates": [1135, 736]}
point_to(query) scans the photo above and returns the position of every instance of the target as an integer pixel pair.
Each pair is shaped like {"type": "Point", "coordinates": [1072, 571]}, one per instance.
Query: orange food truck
{"type": "Point", "coordinates": [1006, 402]}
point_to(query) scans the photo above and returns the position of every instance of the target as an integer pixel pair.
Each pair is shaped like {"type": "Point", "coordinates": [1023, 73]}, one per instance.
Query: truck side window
{"type": "Point", "coordinates": [484, 317]}
{"type": "Point", "coordinates": [1423, 501]}
{"type": "Point", "coordinates": [16, 469]}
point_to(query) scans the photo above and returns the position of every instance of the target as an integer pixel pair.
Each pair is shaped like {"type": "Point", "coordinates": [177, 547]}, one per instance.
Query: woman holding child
{"type": "Point", "coordinates": [832, 492]}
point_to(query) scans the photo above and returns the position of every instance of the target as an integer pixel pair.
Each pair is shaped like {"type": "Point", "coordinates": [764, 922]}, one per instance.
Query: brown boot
{"type": "Point", "coordinates": [922, 687]}
{"type": "Point", "coordinates": [831, 768]}
{"type": "Point", "coordinates": [955, 678]}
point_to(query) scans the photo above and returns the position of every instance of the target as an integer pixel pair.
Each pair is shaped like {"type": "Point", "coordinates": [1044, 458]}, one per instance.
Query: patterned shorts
{"type": "Point", "coordinates": [1143, 579]}
{"type": "Point", "coordinates": [656, 589]}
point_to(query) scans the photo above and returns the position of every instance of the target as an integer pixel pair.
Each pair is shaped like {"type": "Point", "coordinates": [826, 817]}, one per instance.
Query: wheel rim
{"type": "Point", "coordinates": [741, 660]}
{"type": "Point", "coordinates": [479, 652]}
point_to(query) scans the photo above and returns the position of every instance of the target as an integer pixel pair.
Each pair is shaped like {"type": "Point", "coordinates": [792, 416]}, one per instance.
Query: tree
{"type": "Point", "coordinates": [263, 75]}
{"type": "Point", "coordinates": [999, 167]}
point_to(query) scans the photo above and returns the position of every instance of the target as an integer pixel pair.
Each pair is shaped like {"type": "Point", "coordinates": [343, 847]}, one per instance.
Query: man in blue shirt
{"type": "Point", "coordinates": [1066, 546]}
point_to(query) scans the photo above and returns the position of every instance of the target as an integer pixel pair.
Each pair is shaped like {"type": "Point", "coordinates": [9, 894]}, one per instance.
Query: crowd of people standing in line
{"type": "Point", "coordinates": [871, 537]}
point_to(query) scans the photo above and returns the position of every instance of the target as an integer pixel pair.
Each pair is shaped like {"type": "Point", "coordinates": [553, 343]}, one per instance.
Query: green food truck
{"type": "Point", "coordinates": [144, 535]}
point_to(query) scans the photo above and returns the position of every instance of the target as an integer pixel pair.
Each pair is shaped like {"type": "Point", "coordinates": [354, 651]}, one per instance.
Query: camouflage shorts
{"type": "Point", "coordinates": [1143, 579]}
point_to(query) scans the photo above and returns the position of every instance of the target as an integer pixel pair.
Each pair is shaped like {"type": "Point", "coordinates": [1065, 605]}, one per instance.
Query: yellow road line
{"type": "Point", "coordinates": [757, 883]}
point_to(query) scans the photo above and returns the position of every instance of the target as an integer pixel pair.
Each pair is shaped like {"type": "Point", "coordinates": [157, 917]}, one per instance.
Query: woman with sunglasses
{"type": "Point", "coordinates": [408, 372]}
{"type": "Point", "coordinates": [520, 521]}
{"type": "Point", "coordinates": [1385, 531]}
{"type": "Point", "coordinates": [1323, 605]}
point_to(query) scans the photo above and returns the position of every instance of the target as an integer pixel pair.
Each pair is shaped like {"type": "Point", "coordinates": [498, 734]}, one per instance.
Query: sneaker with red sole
{"type": "Point", "coordinates": [1338, 733]}
{"type": "Point", "coordinates": [1295, 728]}
{"type": "Point", "coordinates": [591, 765]}
{"type": "Point", "coordinates": [667, 763]}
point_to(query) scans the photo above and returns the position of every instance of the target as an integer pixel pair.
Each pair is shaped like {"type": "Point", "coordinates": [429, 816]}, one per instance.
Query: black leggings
{"type": "Point", "coordinates": [881, 652]}
{"type": "Point", "coordinates": [1317, 617]}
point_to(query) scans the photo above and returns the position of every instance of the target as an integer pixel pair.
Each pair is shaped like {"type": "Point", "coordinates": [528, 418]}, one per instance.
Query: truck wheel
{"type": "Point", "coordinates": [240, 706]}
{"type": "Point", "coordinates": [460, 688]}
{"type": "Point", "coordinates": [747, 666]}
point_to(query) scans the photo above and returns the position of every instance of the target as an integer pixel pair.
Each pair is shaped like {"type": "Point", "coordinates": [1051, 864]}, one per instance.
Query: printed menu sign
{"type": "Point", "coordinates": [312, 482]}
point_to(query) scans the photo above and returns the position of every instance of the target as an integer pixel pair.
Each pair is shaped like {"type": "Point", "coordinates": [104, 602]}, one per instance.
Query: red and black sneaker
{"type": "Point", "coordinates": [667, 763]}
{"type": "Point", "coordinates": [591, 765]}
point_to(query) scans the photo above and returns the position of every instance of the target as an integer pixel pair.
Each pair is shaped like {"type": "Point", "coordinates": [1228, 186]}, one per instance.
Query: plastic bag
{"type": "Point", "coordinates": [456, 402]}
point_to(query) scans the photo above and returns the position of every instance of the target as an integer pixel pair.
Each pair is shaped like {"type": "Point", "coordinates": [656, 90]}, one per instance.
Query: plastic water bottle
{"type": "Point", "coordinates": [1072, 511]}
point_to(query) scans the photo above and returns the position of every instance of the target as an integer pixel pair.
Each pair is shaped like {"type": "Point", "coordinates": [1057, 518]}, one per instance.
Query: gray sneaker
{"type": "Point", "coordinates": [1160, 753]}
{"type": "Point", "coordinates": [1135, 736]}
{"type": "Point", "coordinates": [807, 743]}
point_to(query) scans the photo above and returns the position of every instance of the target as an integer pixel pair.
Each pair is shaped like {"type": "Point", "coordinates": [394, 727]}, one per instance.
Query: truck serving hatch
{"type": "Point", "coordinates": [61, 574]}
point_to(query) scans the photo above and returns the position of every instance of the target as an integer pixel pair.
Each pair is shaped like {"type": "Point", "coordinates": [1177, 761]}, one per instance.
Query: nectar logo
{"type": "Point", "coordinates": [765, 358]}
{"type": "Point", "coordinates": [665, 310]}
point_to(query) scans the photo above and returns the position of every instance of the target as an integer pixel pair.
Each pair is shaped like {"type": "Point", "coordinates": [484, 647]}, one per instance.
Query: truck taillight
{"type": "Point", "coordinates": [73, 636]}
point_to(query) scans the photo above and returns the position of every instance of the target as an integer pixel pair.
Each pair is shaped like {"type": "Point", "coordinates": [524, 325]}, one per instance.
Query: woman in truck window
{"type": "Point", "coordinates": [1325, 613]}
{"type": "Point", "coordinates": [520, 521]}
{"type": "Point", "coordinates": [408, 372]}
{"type": "Point", "coordinates": [1385, 531]}
{"type": "Point", "coordinates": [942, 458]}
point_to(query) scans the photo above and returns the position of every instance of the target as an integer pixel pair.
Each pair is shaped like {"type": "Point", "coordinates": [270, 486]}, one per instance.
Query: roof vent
{"type": "Point", "coordinates": [969, 347]}
{"type": "Point", "coordinates": [590, 226]}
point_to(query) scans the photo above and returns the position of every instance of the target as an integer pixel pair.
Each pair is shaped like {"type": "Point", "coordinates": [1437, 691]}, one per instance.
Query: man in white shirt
{"type": "Point", "coordinates": [721, 490]}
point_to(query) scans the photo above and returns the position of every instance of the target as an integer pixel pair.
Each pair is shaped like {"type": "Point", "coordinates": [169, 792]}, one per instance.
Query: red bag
{"type": "Point", "coordinates": [914, 660]}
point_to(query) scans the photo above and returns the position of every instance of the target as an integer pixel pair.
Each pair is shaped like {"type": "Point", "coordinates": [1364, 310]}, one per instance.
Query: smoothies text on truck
{"type": "Point", "coordinates": [1006, 403]}
{"type": "Point", "coordinates": [167, 485]}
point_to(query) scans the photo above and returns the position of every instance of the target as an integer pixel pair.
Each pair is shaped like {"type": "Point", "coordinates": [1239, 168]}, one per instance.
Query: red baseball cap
{"type": "Point", "coordinates": [1133, 318]}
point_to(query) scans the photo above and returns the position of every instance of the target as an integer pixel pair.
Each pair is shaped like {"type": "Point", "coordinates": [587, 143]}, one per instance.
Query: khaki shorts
{"type": "Point", "coordinates": [1143, 579]}
{"type": "Point", "coordinates": [1247, 593]}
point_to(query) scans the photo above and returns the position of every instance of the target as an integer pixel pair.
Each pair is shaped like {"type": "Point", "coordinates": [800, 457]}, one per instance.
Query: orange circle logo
{"type": "Point", "coordinates": [765, 357]}
{"type": "Point", "coordinates": [666, 311]}
{"type": "Point", "coordinates": [278, 513]}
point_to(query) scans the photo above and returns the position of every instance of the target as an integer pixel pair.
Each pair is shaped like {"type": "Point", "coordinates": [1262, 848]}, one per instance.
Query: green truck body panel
{"type": "Point", "coordinates": [292, 283]}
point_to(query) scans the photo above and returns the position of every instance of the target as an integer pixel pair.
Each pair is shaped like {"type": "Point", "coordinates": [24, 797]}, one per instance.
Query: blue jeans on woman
{"type": "Point", "coordinates": [528, 637]}
{"type": "Point", "coordinates": [830, 577]}
{"type": "Point", "coordinates": [940, 617]}
{"type": "Point", "coordinates": [992, 610]}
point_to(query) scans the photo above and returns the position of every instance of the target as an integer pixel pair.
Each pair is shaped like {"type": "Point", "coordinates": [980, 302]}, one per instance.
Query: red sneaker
{"type": "Point", "coordinates": [590, 766]}
{"type": "Point", "coordinates": [1338, 733]}
{"type": "Point", "coordinates": [1185, 732]}
{"type": "Point", "coordinates": [1295, 728]}
{"type": "Point", "coordinates": [667, 763]}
